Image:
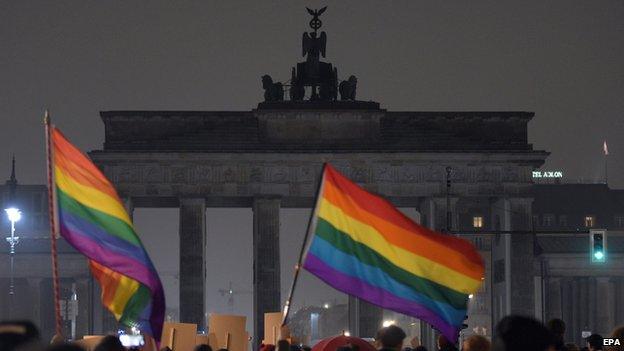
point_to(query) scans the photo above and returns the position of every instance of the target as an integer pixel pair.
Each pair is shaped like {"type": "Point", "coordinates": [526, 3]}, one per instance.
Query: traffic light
{"type": "Point", "coordinates": [598, 245]}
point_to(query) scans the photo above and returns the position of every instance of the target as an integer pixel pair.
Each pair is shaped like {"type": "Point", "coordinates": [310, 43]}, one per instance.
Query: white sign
{"type": "Point", "coordinates": [547, 174]}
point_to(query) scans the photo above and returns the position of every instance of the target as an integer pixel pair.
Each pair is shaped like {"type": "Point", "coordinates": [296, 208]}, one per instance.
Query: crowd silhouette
{"type": "Point", "coordinates": [512, 333]}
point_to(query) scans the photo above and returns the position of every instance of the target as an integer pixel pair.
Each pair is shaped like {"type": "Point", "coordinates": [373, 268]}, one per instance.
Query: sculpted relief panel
{"type": "Point", "coordinates": [299, 178]}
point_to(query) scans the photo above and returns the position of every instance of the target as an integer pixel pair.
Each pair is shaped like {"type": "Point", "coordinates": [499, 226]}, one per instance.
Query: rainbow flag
{"type": "Point", "coordinates": [365, 247]}
{"type": "Point", "coordinates": [92, 219]}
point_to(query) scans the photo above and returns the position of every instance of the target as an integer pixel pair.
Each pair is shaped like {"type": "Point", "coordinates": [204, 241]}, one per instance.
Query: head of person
{"type": "Point", "coordinates": [390, 337]}
{"type": "Point", "coordinates": [519, 333]}
{"type": "Point", "coordinates": [166, 348]}
{"type": "Point", "coordinates": [594, 342]}
{"type": "Point", "coordinates": [572, 347]}
{"type": "Point", "coordinates": [18, 334]}
{"type": "Point", "coordinates": [283, 345]}
{"type": "Point", "coordinates": [617, 333]}
{"type": "Point", "coordinates": [557, 327]}
{"type": "Point", "coordinates": [203, 347]}
{"type": "Point", "coordinates": [64, 346]}
{"type": "Point", "coordinates": [476, 343]}
{"type": "Point", "coordinates": [444, 343]}
{"type": "Point", "coordinates": [109, 343]}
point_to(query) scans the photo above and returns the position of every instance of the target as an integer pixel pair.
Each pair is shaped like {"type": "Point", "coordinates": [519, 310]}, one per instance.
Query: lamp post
{"type": "Point", "coordinates": [14, 216]}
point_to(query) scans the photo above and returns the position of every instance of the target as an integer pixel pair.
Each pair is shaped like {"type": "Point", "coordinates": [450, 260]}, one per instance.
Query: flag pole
{"type": "Point", "coordinates": [303, 248]}
{"type": "Point", "coordinates": [606, 157]}
{"type": "Point", "coordinates": [53, 228]}
{"type": "Point", "coordinates": [605, 150]}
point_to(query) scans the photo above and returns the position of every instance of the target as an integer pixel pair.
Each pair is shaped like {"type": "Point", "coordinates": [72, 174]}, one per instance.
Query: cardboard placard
{"type": "Point", "coordinates": [201, 339]}
{"type": "Point", "coordinates": [89, 342]}
{"type": "Point", "coordinates": [272, 325]}
{"type": "Point", "coordinates": [227, 332]}
{"type": "Point", "coordinates": [179, 336]}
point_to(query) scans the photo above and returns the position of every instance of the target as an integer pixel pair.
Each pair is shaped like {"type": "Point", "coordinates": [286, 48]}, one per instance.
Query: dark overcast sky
{"type": "Point", "coordinates": [562, 59]}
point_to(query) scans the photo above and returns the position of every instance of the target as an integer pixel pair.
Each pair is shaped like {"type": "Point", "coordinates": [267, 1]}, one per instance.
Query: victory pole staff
{"type": "Point", "coordinates": [310, 227]}
{"type": "Point", "coordinates": [53, 228]}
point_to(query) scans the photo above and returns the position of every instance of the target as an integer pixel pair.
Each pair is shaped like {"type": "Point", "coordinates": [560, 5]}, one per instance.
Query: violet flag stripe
{"type": "Point", "coordinates": [377, 296]}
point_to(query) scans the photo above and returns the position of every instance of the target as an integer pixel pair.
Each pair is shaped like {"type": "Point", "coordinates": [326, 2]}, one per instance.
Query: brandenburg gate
{"type": "Point", "coordinates": [270, 158]}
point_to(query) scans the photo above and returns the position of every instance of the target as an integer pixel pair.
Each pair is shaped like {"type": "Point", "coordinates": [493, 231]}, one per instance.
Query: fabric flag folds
{"type": "Point", "coordinates": [363, 246]}
{"type": "Point", "coordinates": [93, 220]}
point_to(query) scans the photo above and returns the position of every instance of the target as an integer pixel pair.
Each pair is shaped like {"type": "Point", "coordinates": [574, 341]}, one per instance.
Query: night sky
{"type": "Point", "coordinates": [561, 59]}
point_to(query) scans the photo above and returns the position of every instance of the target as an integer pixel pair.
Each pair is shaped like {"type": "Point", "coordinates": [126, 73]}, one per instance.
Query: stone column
{"type": "Point", "coordinates": [429, 214]}
{"type": "Point", "coordinates": [522, 259]}
{"type": "Point", "coordinates": [34, 287]}
{"type": "Point", "coordinates": [553, 298]}
{"type": "Point", "coordinates": [618, 311]}
{"type": "Point", "coordinates": [604, 297]}
{"type": "Point", "coordinates": [567, 305]}
{"type": "Point", "coordinates": [592, 303]}
{"type": "Point", "coordinates": [513, 257]}
{"type": "Point", "coordinates": [193, 261]}
{"type": "Point", "coordinates": [84, 312]}
{"type": "Point", "coordinates": [364, 318]}
{"type": "Point", "coordinates": [266, 258]}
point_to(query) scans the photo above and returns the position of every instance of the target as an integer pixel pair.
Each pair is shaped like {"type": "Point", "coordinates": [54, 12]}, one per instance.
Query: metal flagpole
{"type": "Point", "coordinates": [303, 248]}
{"type": "Point", "coordinates": [606, 157]}
{"type": "Point", "coordinates": [53, 227]}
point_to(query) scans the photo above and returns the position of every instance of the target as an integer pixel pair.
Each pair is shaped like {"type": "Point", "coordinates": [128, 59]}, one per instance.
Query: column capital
{"type": "Point", "coordinates": [261, 197]}
{"type": "Point", "coordinates": [190, 201]}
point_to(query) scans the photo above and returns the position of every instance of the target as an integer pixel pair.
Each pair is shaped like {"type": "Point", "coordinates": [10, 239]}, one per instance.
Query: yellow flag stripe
{"type": "Point", "coordinates": [91, 197]}
{"type": "Point", "coordinates": [402, 258]}
{"type": "Point", "coordinates": [125, 289]}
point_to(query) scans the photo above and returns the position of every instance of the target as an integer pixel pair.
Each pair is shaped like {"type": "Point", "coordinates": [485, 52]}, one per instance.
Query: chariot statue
{"type": "Point", "coordinates": [321, 77]}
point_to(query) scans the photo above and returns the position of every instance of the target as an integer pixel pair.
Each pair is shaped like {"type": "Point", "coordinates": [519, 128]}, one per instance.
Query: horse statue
{"type": "Point", "coordinates": [272, 91]}
{"type": "Point", "coordinates": [347, 88]}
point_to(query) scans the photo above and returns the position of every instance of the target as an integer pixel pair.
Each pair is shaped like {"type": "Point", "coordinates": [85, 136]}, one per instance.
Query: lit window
{"type": "Point", "coordinates": [590, 221]}
{"type": "Point", "coordinates": [477, 222]}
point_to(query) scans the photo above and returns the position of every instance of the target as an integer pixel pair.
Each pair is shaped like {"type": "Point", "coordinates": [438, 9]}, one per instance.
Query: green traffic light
{"type": "Point", "coordinates": [599, 255]}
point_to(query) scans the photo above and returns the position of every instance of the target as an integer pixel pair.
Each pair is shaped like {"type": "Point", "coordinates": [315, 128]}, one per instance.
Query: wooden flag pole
{"type": "Point", "coordinates": [53, 228]}
{"type": "Point", "coordinates": [303, 248]}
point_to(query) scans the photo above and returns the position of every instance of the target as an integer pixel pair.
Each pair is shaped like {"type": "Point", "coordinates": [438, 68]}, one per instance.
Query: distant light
{"type": "Point", "coordinates": [470, 296]}
{"type": "Point", "coordinates": [14, 214]}
{"type": "Point", "coordinates": [599, 255]}
{"type": "Point", "coordinates": [326, 306]}
{"type": "Point", "coordinates": [346, 333]}
{"type": "Point", "coordinates": [547, 174]}
{"type": "Point", "coordinates": [388, 323]}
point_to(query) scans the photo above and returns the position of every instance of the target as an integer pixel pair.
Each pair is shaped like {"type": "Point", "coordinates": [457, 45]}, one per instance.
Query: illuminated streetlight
{"type": "Point", "coordinates": [14, 215]}
{"type": "Point", "coordinates": [470, 296]}
{"type": "Point", "coordinates": [326, 306]}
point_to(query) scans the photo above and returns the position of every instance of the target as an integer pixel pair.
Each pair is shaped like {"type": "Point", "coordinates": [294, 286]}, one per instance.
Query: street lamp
{"type": "Point", "coordinates": [14, 216]}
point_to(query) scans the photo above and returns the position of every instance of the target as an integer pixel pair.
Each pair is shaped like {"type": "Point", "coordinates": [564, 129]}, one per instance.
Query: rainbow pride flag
{"type": "Point", "coordinates": [92, 219]}
{"type": "Point", "coordinates": [365, 247]}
